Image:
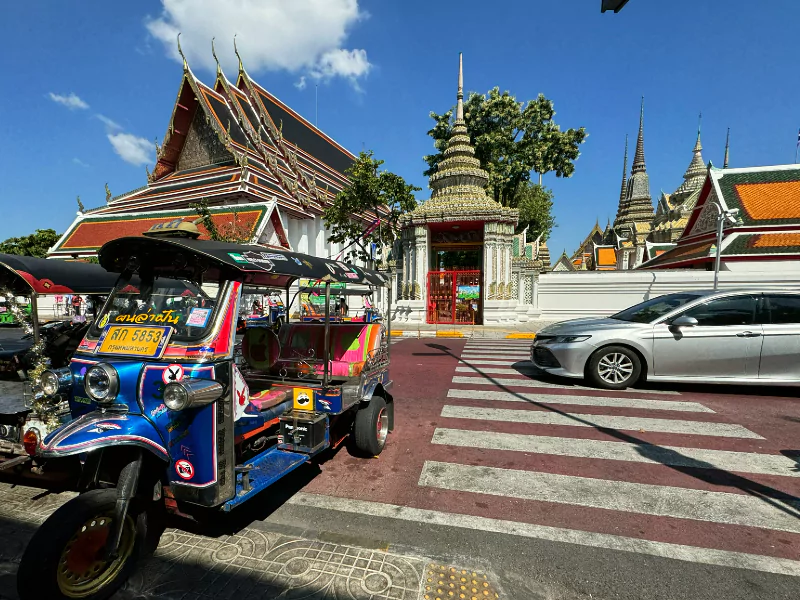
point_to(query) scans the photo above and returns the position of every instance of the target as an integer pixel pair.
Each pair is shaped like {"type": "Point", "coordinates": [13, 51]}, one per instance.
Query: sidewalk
{"type": "Point", "coordinates": [511, 331]}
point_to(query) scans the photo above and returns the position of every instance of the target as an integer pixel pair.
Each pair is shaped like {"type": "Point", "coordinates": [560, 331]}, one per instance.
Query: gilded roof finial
{"type": "Point", "coordinates": [180, 51]}
{"type": "Point", "coordinates": [147, 170]}
{"type": "Point", "coordinates": [108, 194]}
{"type": "Point", "coordinates": [460, 95]}
{"type": "Point", "coordinates": [80, 205]}
{"type": "Point", "coordinates": [216, 60]}
{"type": "Point", "coordinates": [727, 148]}
{"type": "Point", "coordinates": [236, 51]}
{"type": "Point", "coordinates": [158, 149]}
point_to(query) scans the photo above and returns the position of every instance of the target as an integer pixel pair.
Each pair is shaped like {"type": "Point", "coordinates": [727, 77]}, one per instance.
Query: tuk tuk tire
{"type": "Point", "coordinates": [371, 427]}
{"type": "Point", "coordinates": [38, 567]}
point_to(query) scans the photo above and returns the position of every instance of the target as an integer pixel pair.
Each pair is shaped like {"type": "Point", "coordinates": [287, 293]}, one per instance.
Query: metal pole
{"type": "Point", "coordinates": [389, 317]}
{"type": "Point", "coordinates": [35, 317]}
{"type": "Point", "coordinates": [327, 345]}
{"type": "Point", "coordinates": [720, 222]}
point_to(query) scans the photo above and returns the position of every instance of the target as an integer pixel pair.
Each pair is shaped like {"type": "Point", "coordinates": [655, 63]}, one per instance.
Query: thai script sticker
{"type": "Point", "coordinates": [184, 469]}
{"type": "Point", "coordinates": [172, 374]}
{"type": "Point", "coordinates": [198, 317]}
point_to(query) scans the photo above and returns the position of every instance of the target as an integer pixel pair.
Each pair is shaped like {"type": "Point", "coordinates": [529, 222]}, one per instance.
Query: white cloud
{"type": "Point", "coordinates": [132, 149]}
{"type": "Point", "coordinates": [80, 163]}
{"type": "Point", "coordinates": [300, 84]}
{"type": "Point", "coordinates": [71, 101]}
{"type": "Point", "coordinates": [109, 123]}
{"type": "Point", "coordinates": [301, 36]}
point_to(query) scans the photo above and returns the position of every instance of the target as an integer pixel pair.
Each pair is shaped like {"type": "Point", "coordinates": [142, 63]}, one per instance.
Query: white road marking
{"type": "Point", "coordinates": [739, 462]}
{"type": "Point", "coordinates": [498, 356]}
{"type": "Point", "coordinates": [497, 363]}
{"type": "Point", "coordinates": [707, 556]}
{"type": "Point", "coordinates": [496, 370]}
{"type": "Point", "coordinates": [643, 403]}
{"type": "Point", "coordinates": [543, 417]}
{"type": "Point", "coordinates": [537, 383]}
{"type": "Point", "coordinates": [641, 498]}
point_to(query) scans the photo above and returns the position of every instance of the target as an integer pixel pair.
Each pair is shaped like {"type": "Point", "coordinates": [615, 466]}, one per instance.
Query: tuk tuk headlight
{"type": "Point", "coordinates": [55, 381]}
{"type": "Point", "coordinates": [180, 395]}
{"type": "Point", "coordinates": [101, 383]}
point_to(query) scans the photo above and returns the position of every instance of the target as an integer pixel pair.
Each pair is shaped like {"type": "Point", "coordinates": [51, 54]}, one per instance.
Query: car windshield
{"type": "Point", "coordinates": [649, 311]}
{"type": "Point", "coordinates": [187, 307]}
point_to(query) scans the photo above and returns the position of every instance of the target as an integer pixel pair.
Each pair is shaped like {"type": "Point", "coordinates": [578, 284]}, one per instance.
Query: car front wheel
{"type": "Point", "coordinates": [614, 368]}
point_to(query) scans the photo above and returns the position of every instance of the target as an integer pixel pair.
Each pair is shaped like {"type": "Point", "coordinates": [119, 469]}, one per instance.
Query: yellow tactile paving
{"type": "Point", "coordinates": [443, 582]}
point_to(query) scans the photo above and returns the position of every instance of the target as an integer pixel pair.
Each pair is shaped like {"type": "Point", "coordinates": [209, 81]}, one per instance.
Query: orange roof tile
{"type": "Point", "coordinates": [764, 201]}
{"type": "Point", "coordinates": [606, 256]}
{"type": "Point", "coordinates": [776, 240]}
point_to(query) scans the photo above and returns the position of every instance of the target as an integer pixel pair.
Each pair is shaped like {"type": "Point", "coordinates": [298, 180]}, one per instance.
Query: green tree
{"type": "Point", "coordinates": [511, 139]}
{"type": "Point", "coordinates": [233, 232]}
{"type": "Point", "coordinates": [535, 205]}
{"type": "Point", "coordinates": [371, 195]}
{"type": "Point", "coordinates": [35, 244]}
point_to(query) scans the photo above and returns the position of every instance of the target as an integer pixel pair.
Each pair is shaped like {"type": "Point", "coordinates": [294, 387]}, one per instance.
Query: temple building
{"type": "Point", "coordinates": [264, 171]}
{"type": "Point", "coordinates": [457, 246]}
{"type": "Point", "coordinates": [766, 235]}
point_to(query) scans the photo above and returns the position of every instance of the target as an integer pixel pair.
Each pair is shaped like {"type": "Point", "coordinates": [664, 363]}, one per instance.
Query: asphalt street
{"type": "Point", "coordinates": [545, 488]}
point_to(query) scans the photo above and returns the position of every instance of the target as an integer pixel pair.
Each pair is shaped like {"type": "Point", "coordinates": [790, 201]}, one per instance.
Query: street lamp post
{"type": "Point", "coordinates": [722, 216]}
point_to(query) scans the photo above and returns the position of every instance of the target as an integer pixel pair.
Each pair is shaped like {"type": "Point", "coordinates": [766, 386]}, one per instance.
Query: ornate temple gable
{"type": "Point", "coordinates": [586, 247]}
{"type": "Point", "coordinates": [201, 147]}
{"type": "Point", "coordinates": [563, 264]}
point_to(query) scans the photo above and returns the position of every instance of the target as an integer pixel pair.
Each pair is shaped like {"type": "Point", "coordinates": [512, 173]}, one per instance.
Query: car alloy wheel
{"type": "Point", "coordinates": [615, 368]}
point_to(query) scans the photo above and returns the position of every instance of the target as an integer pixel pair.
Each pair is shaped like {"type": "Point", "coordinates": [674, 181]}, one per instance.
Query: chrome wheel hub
{"type": "Point", "coordinates": [615, 368]}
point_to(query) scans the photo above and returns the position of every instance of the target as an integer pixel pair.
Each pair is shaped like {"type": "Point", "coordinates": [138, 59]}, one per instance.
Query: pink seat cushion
{"type": "Point", "coordinates": [268, 398]}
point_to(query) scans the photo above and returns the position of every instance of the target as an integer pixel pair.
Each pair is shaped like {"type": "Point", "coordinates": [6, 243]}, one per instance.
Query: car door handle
{"type": "Point", "coordinates": [748, 334]}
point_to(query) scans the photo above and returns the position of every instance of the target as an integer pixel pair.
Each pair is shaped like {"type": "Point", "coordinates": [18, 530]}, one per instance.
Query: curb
{"type": "Point", "coordinates": [449, 334]}
{"type": "Point", "coordinates": [520, 336]}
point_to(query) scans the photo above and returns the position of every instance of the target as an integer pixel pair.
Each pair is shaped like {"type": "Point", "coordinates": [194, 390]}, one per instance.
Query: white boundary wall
{"type": "Point", "coordinates": [592, 294]}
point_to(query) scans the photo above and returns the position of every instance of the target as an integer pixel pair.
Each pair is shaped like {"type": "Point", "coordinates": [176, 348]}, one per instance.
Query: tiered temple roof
{"type": "Point", "coordinates": [672, 214]}
{"type": "Point", "coordinates": [458, 184]}
{"type": "Point", "coordinates": [636, 208]}
{"type": "Point", "coordinates": [227, 144]}
{"type": "Point", "coordinates": [768, 200]}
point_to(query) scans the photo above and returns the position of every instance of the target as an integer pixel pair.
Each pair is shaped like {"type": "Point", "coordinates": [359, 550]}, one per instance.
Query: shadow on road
{"type": "Point", "coordinates": [668, 457]}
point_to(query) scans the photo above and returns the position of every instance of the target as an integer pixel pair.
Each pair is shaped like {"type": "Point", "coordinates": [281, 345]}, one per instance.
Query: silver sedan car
{"type": "Point", "coordinates": [744, 336]}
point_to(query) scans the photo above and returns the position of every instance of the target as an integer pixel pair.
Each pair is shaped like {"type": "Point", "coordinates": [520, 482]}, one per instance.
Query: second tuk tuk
{"type": "Point", "coordinates": [55, 342]}
{"type": "Point", "coordinates": [169, 417]}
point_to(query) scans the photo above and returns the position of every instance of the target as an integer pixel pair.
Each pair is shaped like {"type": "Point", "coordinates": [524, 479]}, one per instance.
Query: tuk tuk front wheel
{"type": "Point", "coordinates": [64, 559]}
{"type": "Point", "coordinates": [372, 427]}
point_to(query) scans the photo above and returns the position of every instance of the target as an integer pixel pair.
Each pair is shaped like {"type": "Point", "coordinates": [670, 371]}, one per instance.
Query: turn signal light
{"type": "Point", "coordinates": [31, 441]}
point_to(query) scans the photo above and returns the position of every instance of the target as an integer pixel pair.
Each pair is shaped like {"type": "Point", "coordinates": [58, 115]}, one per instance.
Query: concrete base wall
{"type": "Point", "coordinates": [592, 294]}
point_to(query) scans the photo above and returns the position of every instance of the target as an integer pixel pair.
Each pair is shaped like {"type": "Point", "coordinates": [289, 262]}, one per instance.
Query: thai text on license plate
{"type": "Point", "coordinates": [126, 340]}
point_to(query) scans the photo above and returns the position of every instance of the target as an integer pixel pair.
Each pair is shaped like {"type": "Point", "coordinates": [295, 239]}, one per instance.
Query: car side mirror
{"type": "Point", "coordinates": [684, 321]}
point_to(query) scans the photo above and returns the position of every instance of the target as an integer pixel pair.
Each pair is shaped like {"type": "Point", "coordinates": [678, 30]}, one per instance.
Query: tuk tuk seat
{"type": "Point", "coordinates": [351, 345]}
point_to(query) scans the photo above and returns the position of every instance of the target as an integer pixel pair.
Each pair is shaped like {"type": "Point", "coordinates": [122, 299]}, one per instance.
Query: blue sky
{"type": "Point", "coordinates": [87, 84]}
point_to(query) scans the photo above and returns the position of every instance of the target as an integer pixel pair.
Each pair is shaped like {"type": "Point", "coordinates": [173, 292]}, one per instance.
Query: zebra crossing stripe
{"type": "Point", "coordinates": [692, 554]}
{"type": "Point", "coordinates": [736, 462]}
{"type": "Point", "coordinates": [536, 383]}
{"type": "Point", "coordinates": [543, 417]}
{"type": "Point", "coordinates": [641, 498]}
{"type": "Point", "coordinates": [643, 403]}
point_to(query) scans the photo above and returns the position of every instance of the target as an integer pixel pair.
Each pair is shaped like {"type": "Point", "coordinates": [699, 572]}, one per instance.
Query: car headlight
{"type": "Point", "coordinates": [55, 381]}
{"type": "Point", "coordinates": [187, 393]}
{"type": "Point", "coordinates": [101, 383]}
{"type": "Point", "coordinates": [569, 339]}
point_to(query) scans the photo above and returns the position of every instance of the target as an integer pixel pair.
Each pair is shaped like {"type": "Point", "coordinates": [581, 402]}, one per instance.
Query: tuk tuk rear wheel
{"type": "Point", "coordinates": [63, 559]}
{"type": "Point", "coordinates": [372, 427]}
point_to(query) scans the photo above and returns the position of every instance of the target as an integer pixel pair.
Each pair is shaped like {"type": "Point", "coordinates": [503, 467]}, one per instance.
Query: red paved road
{"type": "Point", "coordinates": [423, 371]}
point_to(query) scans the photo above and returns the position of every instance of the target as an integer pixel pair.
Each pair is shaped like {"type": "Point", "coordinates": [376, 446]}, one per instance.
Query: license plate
{"type": "Point", "coordinates": [127, 340]}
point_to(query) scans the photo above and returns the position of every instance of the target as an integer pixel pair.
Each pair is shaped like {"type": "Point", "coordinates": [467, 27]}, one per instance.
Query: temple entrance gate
{"type": "Point", "coordinates": [454, 297]}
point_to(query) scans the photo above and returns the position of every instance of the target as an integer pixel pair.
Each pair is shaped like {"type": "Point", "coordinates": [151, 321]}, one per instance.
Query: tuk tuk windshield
{"type": "Point", "coordinates": [187, 307]}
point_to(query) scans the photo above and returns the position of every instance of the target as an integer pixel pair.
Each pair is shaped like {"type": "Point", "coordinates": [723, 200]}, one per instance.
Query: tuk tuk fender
{"type": "Point", "coordinates": [97, 429]}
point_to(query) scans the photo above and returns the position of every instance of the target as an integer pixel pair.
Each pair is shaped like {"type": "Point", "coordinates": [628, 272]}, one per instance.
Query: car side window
{"type": "Point", "coordinates": [733, 310]}
{"type": "Point", "coordinates": [783, 308]}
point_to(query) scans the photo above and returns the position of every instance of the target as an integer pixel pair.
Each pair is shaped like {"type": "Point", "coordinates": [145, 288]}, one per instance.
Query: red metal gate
{"type": "Point", "coordinates": [454, 297]}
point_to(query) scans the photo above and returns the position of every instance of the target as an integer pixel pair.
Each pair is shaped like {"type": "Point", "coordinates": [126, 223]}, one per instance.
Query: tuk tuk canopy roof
{"type": "Point", "coordinates": [23, 275]}
{"type": "Point", "coordinates": [178, 257]}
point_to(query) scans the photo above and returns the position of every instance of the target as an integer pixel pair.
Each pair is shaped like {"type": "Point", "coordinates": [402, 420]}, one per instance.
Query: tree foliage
{"type": "Point", "coordinates": [372, 195]}
{"type": "Point", "coordinates": [535, 205]}
{"type": "Point", "coordinates": [233, 232]}
{"type": "Point", "coordinates": [35, 244]}
{"type": "Point", "coordinates": [511, 139]}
